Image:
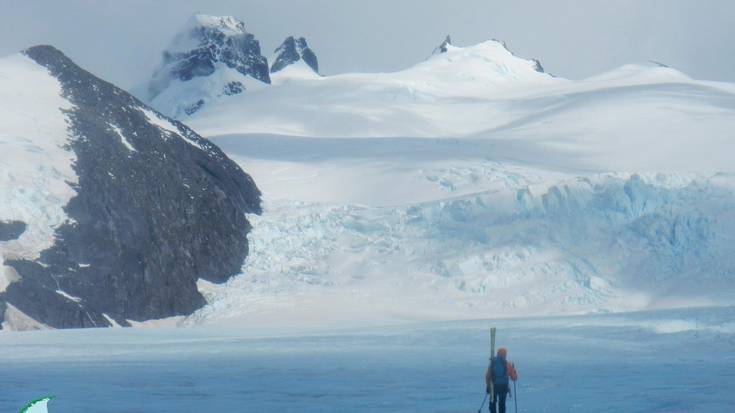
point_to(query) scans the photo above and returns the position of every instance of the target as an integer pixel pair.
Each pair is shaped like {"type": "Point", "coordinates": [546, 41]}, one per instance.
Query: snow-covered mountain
{"type": "Point", "coordinates": [211, 57]}
{"type": "Point", "coordinates": [484, 92]}
{"type": "Point", "coordinates": [214, 58]}
{"type": "Point", "coordinates": [444, 95]}
{"type": "Point", "coordinates": [474, 185]}
{"type": "Point", "coordinates": [109, 211]}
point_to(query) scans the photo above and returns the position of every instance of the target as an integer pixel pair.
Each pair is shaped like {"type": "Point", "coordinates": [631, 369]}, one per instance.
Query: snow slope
{"type": "Point", "coordinates": [428, 367]}
{"type": "Point", "coordinates": [472, 186]}
{"type": "Point", "coordinates": [183, 97]}
{"type": "Point", "coordinates": [434, 98]}
{"type": "Point", "coordinates": [36, 175]}
{"type": "Point", "coordinates": [634, 118]}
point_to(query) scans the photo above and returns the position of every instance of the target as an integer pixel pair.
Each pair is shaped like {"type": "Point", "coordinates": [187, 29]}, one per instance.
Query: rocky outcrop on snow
{"type": "Point", "coordinates": [292, 51]}
{"type": "Point", "coordinates": [204, 60]}
{"type": "Point", "coordinates": [443, 47]}
{"type": "Point", "coordinates": [538, 66]}
{"type": "Point", "coordinates": [131, 207]}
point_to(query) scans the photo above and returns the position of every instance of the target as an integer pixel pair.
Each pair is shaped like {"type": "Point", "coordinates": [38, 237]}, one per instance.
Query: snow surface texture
{"type": "Point", "coordinates": [473, 185]}
{"type": "Point", "coordinates": [36, 174]}
{"type": "Point", "coordinates": [633, 363]}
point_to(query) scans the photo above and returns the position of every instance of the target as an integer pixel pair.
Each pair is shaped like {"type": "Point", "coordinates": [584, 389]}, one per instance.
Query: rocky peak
{"type": "Point", "coordinates": [293, 50]}
{"type": "Point", "coordinates": [444, 46]}
{"type": "Point", "coordinates": [153, 206]}
{"type": "Point", "coordinates": [206, 42]}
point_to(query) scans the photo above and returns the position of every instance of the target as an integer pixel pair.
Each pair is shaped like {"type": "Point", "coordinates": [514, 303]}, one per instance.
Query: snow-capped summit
{"type": "Point", "coordinates": [489, 61]}
{"type": "Point", "coordinates": [228, 25]}
{"type": "Point", "coordinates": [292, 51]}
{"type": "Point", "coordinates": [211, 57]}
{"type": "Point", "coordinates": [500, 55]}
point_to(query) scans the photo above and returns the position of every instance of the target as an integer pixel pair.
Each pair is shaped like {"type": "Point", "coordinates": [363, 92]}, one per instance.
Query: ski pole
{"type": "Point", "coordinates": [515, 396]}
{"type": "Point", "coordinates": [483, 404]}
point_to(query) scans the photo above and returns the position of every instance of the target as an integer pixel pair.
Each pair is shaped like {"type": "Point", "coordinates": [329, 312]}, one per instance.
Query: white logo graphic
{"type": "Point", "coordinates": [37, 406]}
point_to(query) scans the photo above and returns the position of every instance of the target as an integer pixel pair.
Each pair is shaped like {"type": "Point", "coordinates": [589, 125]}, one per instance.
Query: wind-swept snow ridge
{"type": "Point", "coordinates": [634, 118]}
{"type": "Point", "coordinates": [490, 61]}
{"type": "Point", "coordinates": [453, 93]}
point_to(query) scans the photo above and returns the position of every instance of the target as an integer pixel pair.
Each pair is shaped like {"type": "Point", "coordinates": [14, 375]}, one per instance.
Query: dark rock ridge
{"type": "Point", "coordinates": [218, 39]}
{"type": "Point", "coordinates": [291, 51]}
{"type": "Point", "coordinates": [150, 217]}
{"type": "Point", "coordinates": [538, 66]}
{"type": "Point", "coordinates": [442, 48]}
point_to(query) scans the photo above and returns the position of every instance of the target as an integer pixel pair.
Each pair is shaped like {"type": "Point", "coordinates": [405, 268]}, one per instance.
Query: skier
{"type": "Point", "coordinates": [498, 373]}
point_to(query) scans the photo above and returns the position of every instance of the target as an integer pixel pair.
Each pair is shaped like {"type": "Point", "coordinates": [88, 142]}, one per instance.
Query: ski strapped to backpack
{"type": "Point", "coordinates": [489, 390]}
{"type": "Point", "coordinates": [492, 357]}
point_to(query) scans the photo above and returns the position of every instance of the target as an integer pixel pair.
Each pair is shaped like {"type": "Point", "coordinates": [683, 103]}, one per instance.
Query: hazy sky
{"type": "Point", "coordinates": [122, 40]}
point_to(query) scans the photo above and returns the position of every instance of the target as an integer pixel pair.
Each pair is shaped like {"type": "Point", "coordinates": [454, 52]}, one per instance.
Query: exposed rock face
{"type": "Point", "coordinates": [206, 42]}
{"type": "Point", "coordinates": [156, 208]}
{"type": "Point", "coordinates": [291, 51]}
{"type": "Point", "coordinates": [11, 230]}
{"type": "Point", "coordinates": [538, 68]}
{"type": "Point", "coordinates": [443, 47]}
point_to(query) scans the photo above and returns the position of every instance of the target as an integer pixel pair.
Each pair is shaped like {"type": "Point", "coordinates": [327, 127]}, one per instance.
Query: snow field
{"type": "Point", "coordinates": [635, 118]}
{"type": "Point", "coordinates": [36, 175]}
{"type": "Point", "coordinates": [635, 362]}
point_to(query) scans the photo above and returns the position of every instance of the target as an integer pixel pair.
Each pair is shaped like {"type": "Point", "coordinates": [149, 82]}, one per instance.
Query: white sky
{"type": "Point", "coordinates": [121, 41]}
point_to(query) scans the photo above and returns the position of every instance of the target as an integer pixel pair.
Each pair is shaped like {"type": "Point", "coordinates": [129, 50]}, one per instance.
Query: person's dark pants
{"type": "Point", "coordinates": [501, 393]}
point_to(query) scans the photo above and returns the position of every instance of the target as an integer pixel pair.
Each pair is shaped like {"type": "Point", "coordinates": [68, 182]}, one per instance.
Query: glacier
{"type": "Point", "coordinates": [455, 236]}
